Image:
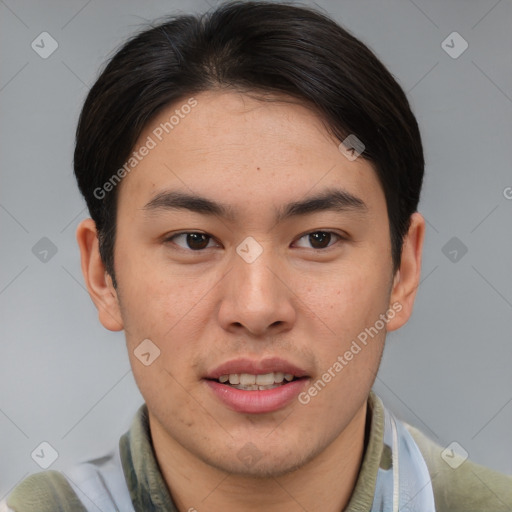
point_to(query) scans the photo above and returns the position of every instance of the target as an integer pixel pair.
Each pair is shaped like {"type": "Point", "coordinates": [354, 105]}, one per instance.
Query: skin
{"type": "Point", "coordinates": [296, 302]}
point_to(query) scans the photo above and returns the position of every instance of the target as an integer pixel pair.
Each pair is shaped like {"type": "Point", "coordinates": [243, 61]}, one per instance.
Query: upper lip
{"type": "Point", "coordinates": [253, 367]}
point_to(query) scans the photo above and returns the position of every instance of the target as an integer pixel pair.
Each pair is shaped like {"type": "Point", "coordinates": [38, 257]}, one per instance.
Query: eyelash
{"type": "Point", "coordinates": [171, 239]}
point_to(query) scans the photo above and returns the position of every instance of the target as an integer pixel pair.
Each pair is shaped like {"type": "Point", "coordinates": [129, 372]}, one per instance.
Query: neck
{"type": "Point", "coordinates": [324, 484]}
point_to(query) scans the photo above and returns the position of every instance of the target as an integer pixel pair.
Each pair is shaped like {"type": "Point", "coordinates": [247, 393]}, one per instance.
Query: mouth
{"type": "Point", "coordinates": [254, 387]}
{"type": "Point", "coordinates": [261, 382]}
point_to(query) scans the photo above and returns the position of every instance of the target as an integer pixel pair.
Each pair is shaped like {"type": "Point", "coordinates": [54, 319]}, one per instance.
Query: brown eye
{"type": "Point", "coordinates": [193, 241]}
{"type": "Point", "coordinates": [197, 241]}
{"type": "Point", "coordinates": [319, 239]}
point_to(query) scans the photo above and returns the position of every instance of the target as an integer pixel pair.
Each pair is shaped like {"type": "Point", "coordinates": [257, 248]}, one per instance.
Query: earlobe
{"type": "Point", "coordinates": [407, 277]}
{"type": "Point", "coordinates": [98, 282]}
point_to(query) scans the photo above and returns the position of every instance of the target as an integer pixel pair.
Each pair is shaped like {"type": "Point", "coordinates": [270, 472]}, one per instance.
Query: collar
{"type": "Point", "coordinates": [149, 491]}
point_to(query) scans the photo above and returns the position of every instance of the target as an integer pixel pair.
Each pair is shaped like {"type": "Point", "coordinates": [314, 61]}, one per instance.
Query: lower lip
{"type": "Point", "coordinates": [257, 402]}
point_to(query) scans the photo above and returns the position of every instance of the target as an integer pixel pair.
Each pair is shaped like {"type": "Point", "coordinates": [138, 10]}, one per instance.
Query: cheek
{"type": "Point", "coordinates": [348, 299]}
{"type": "Point", "coordinates": [350, 349]}
{"type": "Point", "coordinates": [156, 297]}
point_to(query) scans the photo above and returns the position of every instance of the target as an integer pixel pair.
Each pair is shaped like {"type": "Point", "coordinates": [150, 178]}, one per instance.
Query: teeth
{"type": "Point", "coordinates": [246, 379]}
{"type": "Point", "coordinates": [255, 387]}
{"type": "Point", "coordinates": [265, 380]}
{"type": "Point", "coordinates": [255, 382]}
{"type": "Point", "coordinates": [234, 378]}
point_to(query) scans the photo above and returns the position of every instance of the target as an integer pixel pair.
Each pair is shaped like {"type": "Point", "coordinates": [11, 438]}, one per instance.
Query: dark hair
{"type": "Point", "coordinates": [251, 47]}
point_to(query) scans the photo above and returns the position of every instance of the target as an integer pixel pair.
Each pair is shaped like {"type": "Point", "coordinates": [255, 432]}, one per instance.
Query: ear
{"type": "Point", "coordinates": [407, 277]}
{"type": "Point", "coordinates": [98, 281]}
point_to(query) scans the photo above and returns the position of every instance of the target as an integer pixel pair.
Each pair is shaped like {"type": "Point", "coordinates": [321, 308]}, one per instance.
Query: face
{"type": "Point", "coordinates": [251, 250]}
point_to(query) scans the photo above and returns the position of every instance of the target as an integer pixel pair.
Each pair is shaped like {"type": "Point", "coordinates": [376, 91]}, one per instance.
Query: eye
{"type": "Point", "coordinates": [319, 239]}
{"type": "Point", "coordinates": [191, 240]}
{"type": "Point", "coordinates": [194, 241]}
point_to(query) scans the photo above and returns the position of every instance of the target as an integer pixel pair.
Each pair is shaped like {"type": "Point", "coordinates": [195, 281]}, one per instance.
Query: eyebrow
{"type": "Point", "coordinates": [328, 200]}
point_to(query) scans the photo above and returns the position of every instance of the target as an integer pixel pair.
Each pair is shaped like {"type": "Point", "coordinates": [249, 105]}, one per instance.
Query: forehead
{"type": "Point", "coordinates": [221, 142]}
{"type": "Point", "coordinates": [232, 122]}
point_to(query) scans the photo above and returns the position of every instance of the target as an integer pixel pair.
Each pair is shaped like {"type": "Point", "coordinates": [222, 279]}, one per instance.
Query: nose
{"type": "Point", "coordinates": [257, 297]}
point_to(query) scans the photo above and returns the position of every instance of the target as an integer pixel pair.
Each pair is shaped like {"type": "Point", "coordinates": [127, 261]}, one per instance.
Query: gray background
{"type": "Point", "coordinates": [67, 381]}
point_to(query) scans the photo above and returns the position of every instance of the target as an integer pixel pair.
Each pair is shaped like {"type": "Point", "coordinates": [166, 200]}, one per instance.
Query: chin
{"type": "Point", "coordinates": [249, 462]}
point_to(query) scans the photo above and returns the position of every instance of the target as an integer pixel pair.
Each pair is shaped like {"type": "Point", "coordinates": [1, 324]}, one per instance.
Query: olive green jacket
{"type": "Point", "coordinates": [458, 485]}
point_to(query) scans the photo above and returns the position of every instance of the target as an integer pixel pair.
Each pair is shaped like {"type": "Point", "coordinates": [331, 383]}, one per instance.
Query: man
{"type": "Point", "coordinates": [253, 177]}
